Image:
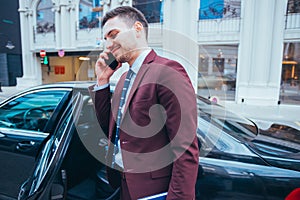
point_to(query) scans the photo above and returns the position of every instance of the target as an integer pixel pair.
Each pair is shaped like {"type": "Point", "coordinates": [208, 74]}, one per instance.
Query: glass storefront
{"type": "Point", "coordinates": [217, 71]}
{"type": "Point", "coordinates": [290, 84]}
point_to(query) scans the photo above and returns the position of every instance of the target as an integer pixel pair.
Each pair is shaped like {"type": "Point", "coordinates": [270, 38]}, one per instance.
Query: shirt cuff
{"type": "Point", "coordinates": [100, 87]}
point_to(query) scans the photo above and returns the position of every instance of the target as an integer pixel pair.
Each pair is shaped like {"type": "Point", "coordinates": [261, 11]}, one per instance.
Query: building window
{"type": "Point", "coordinates": [45, 18]}
{"type": "Point", "coordinates": [153, 10]}
{"type": "Point", "coordinates": [290, 84]}
{"type": "Point", "coordinates": [293, 6]}
{"type": "Point", "coordinates": [90, 12]}
{"type": "Point", "coordinates": [219, 9]}
{"type": "Point", "coordinates": [217, 71]}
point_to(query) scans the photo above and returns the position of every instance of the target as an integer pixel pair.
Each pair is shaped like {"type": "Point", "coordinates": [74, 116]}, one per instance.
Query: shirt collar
{"type": "Point", "coordinates": [139, 61]}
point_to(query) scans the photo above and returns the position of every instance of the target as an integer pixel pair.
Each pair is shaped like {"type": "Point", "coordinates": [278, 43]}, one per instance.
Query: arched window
{"type": "Point", "coordinates": [90, 12]}
{"type": "Point", "coordinates": [45, 18]}
{"type": "Point", "coordinates": [153, 10]}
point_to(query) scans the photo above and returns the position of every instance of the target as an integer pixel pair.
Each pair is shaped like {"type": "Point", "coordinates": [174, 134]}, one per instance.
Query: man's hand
{"type": "Point", "coordinates": [102, 70]}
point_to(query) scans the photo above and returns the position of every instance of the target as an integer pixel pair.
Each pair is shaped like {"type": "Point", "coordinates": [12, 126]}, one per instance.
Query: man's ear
{"type": "Point", "coordinates": [138, 26]}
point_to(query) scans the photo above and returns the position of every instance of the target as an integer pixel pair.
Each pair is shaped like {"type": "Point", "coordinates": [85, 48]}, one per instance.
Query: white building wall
{"type": "Point", "coordinates": [260, 33]}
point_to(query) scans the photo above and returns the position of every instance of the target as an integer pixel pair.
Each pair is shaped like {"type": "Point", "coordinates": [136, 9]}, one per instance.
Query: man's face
{"type": "Point", "coordinates": [121, 40]}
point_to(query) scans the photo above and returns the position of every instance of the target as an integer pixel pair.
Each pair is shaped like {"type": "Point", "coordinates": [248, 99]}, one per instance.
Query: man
{"type": "Point", "coordinates": [152, 134]}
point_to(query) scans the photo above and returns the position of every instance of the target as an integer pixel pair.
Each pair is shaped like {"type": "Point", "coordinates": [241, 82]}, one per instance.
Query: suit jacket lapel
{"type": "Point", "coordinates": [139, 77]}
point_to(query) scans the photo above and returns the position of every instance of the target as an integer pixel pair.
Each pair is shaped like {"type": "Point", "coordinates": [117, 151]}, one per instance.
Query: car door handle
{"type": "Point", "coordinates": [25, 145]}
{"type": "Point", "coordinates": [248, 173]}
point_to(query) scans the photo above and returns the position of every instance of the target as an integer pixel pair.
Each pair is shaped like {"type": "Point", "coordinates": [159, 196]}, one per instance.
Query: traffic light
{"type": "Point", "coordinates": [46, 61]}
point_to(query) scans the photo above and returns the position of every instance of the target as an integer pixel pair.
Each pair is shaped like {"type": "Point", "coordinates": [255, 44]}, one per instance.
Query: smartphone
{"type": "Point", "coordinates": [112, 62]}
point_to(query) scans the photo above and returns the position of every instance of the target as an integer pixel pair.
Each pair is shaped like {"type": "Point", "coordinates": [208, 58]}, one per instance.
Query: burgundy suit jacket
{"type": "Point", "coordinates": [158, 130]}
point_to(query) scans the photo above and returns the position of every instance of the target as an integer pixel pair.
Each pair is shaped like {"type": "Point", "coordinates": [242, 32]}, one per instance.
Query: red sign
{"type": "Point", "coordinates": [59, 69]}
{"type": "Point", "coordinates": [42, 53]}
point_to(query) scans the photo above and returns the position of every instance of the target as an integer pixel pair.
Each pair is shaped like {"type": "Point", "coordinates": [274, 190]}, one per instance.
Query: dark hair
{"type": "Point", "coordinates": [129, 14]}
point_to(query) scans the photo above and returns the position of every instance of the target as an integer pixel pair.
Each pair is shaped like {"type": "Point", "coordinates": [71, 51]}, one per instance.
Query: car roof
{"type": "Point", "coordinates": [68, 84]}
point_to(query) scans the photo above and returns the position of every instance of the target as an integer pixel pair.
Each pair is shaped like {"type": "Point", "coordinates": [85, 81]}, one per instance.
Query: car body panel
{"type": "Point", "coordinates": [17, 152]}
{"type": "Point", "coordinates": [238, 180]}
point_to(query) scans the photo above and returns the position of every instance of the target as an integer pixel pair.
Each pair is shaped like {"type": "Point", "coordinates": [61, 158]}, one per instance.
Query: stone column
{"type": "Point", "coordinates": [260, 52]}
{"type": "Point", "coordinates": [64, 22]}
{"type": "Point", "coordinates": [56, 10]}
{"type": "Point", "coordinates": [31, 68]}
{"type": "Point", "coordinates": [179, 34]}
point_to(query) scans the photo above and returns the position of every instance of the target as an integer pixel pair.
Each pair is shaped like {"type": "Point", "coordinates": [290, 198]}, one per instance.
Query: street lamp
{"type": "Point", "coordinates": [9, 43]}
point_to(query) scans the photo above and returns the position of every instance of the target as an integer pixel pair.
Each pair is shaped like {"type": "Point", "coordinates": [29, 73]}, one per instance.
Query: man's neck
{"type": "Point", "coordinates": [136, 54]}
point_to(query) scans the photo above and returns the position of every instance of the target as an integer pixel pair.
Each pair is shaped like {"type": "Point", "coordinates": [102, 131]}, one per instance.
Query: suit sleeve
{"type": "Point", "coordinates": [102, 105]}
{"type": "Point", "coordinates": [177, 96]}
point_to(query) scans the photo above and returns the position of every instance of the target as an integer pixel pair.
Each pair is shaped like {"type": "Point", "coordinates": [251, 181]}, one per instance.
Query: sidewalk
{"type": "Point", "coordinates": [8, 91]}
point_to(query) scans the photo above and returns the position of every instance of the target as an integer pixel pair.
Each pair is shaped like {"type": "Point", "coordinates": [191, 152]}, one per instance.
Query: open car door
{"type": "Point", "coordinates": [26, 121]}
{"type": "Point", "coordinates": [40, 184]}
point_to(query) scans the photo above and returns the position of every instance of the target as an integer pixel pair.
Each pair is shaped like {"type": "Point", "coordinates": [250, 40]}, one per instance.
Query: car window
{"type": "Point", "coordinates": [30, 111]}
{"type": "Point", "coordinates": [283, 132]}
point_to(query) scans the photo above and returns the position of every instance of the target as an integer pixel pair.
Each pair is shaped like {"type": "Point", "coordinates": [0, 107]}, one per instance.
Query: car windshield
{"type": "Point", "coordinates": [30, 111]}
{"type": "Point", "coordinates": [234, 125]}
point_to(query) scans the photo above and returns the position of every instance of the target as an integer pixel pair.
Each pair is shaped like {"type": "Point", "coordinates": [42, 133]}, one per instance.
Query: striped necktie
{"type": "Point", "coordinates": [119, 115]}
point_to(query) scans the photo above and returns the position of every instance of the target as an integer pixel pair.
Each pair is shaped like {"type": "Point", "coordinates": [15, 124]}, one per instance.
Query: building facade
{"type": "Point", "coordinates": [246, 52]}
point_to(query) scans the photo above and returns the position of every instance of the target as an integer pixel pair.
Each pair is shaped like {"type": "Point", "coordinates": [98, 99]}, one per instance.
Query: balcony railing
{"type": "Point", "coordinates": [43, 39]}
{"type": "Point", "coordinates": [292, 21]}
{"type": "Point", "coordinates": [219, 25]}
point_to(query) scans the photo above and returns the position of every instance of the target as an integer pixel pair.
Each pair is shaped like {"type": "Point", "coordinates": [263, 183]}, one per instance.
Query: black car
{"type": "Point", "coordinates": [51, 147]}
